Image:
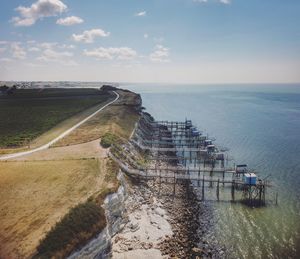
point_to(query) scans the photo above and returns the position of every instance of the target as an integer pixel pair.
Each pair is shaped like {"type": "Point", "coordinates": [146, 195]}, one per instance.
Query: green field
{"type": "Point", "coordinates": [27, 113]}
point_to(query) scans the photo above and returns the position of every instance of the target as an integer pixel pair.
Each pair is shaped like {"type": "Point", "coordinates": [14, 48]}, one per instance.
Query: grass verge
{"type": "Point", "coordinates": [34, 195]}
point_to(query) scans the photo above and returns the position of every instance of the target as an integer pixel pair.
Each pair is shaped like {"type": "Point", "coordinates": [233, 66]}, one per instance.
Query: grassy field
{"type": "Point", "coordinates": [34, 195]}
{"type": "Point", "coordinates": [28, 113]}
{"type": "Point", "coordinates": [45, 196]}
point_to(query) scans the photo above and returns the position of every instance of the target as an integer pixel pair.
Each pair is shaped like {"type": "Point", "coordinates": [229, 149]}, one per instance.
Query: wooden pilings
{"type": "Point", "coordinates": [203, 188]}
{"type": "Point", "coordinates": [232, 190]}
{"type": "Point", "coordinates": [182, 156]}
{"type": "Point", "coordinates": [218, 191]}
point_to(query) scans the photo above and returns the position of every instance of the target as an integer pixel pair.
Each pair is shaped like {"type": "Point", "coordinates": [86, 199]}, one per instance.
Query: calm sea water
{"type": "Point", "coordinates": [260, 124]}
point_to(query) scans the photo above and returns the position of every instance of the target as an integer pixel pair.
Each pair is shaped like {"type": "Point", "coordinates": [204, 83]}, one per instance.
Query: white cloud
{"type": "Point", "coordinates": [34, 65]}
{"type": "Point", "coordinates": [50, 55]}
{"type": "Point", "coordinates": [34, 49]}
{"type": "Point", "coordinates": [31, 42]}
{"type": "Point", "coordinates": [68, 21]}
{"type": "Point", "coordinates": [38, 10]}
{"type": "Point", "coordinates": [146, 36]}
{"type": "Point", "coordinates": [161, 54]}
{"type": "Point", "coordinates": [51, 45]}
{"type": "Point", "coordinates": [65, 46]}
{"type": "Point", "coordinates": [2, 50]}
{"type": "Point", "coordinates": [142, 13]}
{"type": "Point", "coordinates": [123, 53]}
{"type": "Point", "coordinates": [47, 45]}
{"type": "Point", "coordinates": [6, 60]}
{"type": "Point", "coordinates": [34, 46]}
{"type": "Point", "coordinates": [89, 36]}
{"type": "Point", "coordinates": [17, 51]}
{"type": "Point", "coordinates": [225, 1]}
{"type": "Point", "coordinates": [200, 1]}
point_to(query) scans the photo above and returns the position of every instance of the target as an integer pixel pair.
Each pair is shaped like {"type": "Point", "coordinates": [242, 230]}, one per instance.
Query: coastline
{"type": "Point", "coordinates": [159, 225]}
{"type": "Point", "coordinates": [149, 218]}
{"type": "Point", "coordinates": [152, 222]}
{"type": "Point", "coordinates": [183, 222]}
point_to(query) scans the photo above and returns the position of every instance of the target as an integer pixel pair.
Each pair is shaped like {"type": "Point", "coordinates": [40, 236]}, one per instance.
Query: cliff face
{"type": "Point", "coordinates": [115, 211]}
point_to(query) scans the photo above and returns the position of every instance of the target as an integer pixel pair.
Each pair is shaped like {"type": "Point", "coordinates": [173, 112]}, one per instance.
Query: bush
{"type": "Point", "coordinates": [108, 139]}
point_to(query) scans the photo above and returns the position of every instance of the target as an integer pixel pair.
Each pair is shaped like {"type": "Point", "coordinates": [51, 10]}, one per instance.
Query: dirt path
{"type": "Point", "coordinates": [88, 150]}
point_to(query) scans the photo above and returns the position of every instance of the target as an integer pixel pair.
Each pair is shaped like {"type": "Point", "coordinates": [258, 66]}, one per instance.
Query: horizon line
{"type": "Point", "coordinates": [164, 83]}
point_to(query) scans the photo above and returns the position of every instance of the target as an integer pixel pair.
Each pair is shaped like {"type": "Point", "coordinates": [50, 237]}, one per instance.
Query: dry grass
{"type": "Point", "coordinates": [35, 195]}
{"type": "Point", "coordinates": [87, 150]}
{"type": "Point", "coordinates": [81, 223]}
{"type": "Point", "coordinates": [118, 119]}
{"type": "Point", "coordinates": [4, 151]}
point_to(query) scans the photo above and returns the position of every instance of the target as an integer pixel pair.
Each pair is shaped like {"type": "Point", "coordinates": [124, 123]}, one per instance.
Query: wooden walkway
{"type": "Point", "coordinates": [181, 143]}
{"type": "Point", "coordinates": [191, 169]}
{"type": "Point", "coordinates": [175, 149]}
{"type": "Point", "coordinates": [175, 174]}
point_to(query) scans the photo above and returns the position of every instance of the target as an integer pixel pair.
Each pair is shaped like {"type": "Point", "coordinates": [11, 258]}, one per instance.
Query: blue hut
{"type": "Point", "coordinates": [250, 178]}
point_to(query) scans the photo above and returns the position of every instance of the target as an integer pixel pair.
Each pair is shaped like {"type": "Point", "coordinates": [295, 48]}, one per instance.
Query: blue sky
{"type": "Point", "coordinates": [193, 41]}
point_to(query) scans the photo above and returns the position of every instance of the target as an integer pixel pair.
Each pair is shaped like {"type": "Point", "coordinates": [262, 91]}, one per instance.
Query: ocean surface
{"type": "Point", "coordinates": [260, 124]}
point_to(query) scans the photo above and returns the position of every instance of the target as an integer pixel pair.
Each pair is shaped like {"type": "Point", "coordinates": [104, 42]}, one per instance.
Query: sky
{"type": "Point", "coordinates": [156, 41]}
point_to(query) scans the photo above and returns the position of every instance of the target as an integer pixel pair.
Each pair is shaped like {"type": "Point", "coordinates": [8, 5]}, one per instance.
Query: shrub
{"type": "Point", "coordinates": [108, 139]}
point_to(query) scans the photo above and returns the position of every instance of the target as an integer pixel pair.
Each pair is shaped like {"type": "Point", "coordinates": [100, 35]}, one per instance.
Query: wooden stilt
{"type": "Point", "coordinates": [260, 194]}
{"type": "Point", "coordinates": [203, 188]}
{"type": "Point", "coordinates": [232, 190]}
{"type": "Point", "coordinates": [218, 189]}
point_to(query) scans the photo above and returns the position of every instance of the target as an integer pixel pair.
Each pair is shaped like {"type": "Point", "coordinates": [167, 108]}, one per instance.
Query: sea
{"type": "Point", "coordinates": [260, 125]}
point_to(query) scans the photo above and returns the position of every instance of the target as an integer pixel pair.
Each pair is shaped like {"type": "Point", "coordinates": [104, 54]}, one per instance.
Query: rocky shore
{"type": "Point", "coordinates": [160, 225]}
